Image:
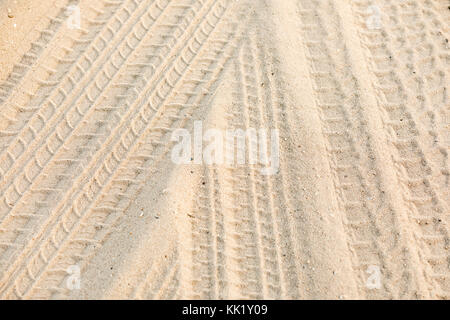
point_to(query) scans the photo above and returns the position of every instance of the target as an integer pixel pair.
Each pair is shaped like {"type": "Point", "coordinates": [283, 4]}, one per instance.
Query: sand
{"type": "Point", "coordinates": [93, 205]}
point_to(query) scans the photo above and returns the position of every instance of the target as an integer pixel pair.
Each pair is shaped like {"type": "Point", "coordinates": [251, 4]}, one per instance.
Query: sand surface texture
{"type": "Point", "coordinates": [92, 205]}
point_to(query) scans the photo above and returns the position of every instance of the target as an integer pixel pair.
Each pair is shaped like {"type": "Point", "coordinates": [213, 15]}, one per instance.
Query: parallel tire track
{"type": "Point", "coordinates": [137, 169]}
{"type": "Point", "coordinates": [262, 185]}
{"type": "Point", "coordinates": [349, 146]}
{"type": "Point", "coordinates": [33, 107]}
{"type": "Point", "coordinates": [60, 113]}
{"type": "Point", "coordinates": [42, 185]}
{"type": "Point", "coordinates": [32, 58]}
{"type": "Point", "coordinates": [86, 128]}
{"type": "Point", "coordinates": [64, 230]}
{"type": "Point", "coordinates": [427, 212]}
{"type": "Point", "coordinates": [158, 279]}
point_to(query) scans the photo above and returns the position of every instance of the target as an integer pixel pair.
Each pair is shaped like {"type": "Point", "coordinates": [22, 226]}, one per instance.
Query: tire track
{"type": "Point", "coordinates": [150, 153]}
{"type": "Point", "coordinates": [85, 136]}
{"type": "Point", "coordinates": [49, 186]}
{"type": "Point", "coordinates": [204, 235]}
{"type": "Point", "coordinates": [207, 279]}
{"type": "Point", "coordinates": [251, 227]}
{"type": "Point", "coordinates": [437, 14]}
{"type": "Point", "coordinates": [426, 210]}
{"type": "Point", "coordinates": [349, 146]}
{"type": "Point", "coordinates": [170, 287]}
{"type": "Point", "coordinates": [158, 279]}
{"type": "Point", "coordinates": [33, 57]}
{"type": "Point", "coordinates": [245, 250]}
{"type": "Point", "coordinates": [103, 212]}
{"type": "Point", "coordinates": [108, 111]}
{"type": "Point", "coordinates": [311, 230]}
{"type": "Point", "coordinates": [436, 81]}
{"type": "Point", "coordinates": [275, 109]}
{"type": "Point", "coordinates": [59, 106]}
{"type": "Point", "coordinates": [219, 241]}
{"type": "Point", "coordinates": [262, 185]}
{"type": "Point", "coordinates": [35, 109]}
{"type": "Point", "coordinates": [426, 77]}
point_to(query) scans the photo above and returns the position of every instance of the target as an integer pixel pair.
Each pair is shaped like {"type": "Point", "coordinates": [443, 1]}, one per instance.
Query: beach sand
{"type": "Point", "coordinates": [94, 206]}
